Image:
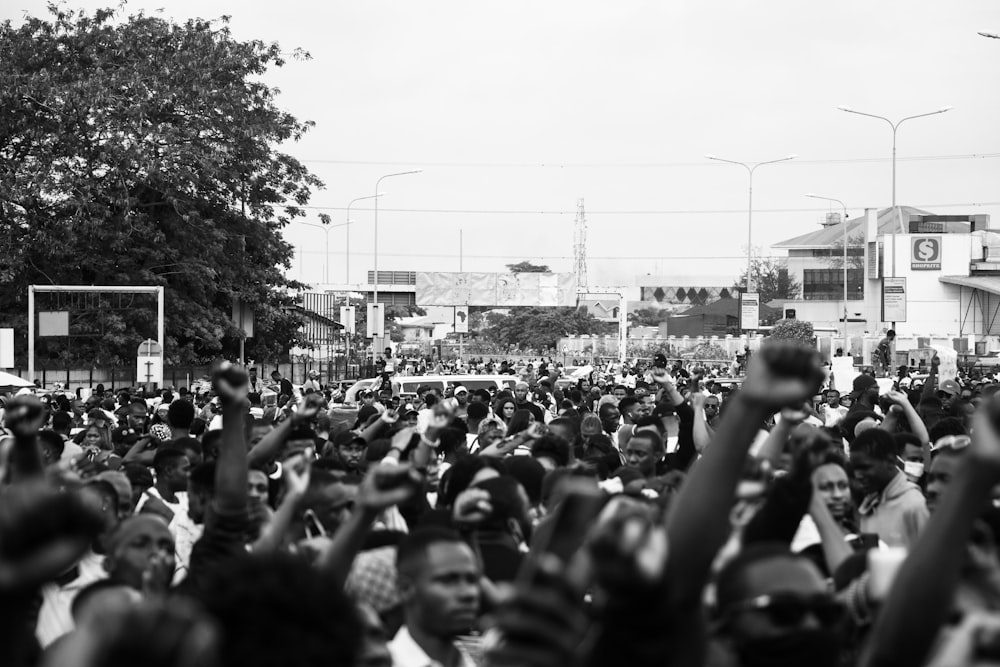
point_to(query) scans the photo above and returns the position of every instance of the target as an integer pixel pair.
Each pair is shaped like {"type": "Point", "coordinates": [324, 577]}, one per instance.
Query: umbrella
{"type": "Point", "coordinates": [9, 382]}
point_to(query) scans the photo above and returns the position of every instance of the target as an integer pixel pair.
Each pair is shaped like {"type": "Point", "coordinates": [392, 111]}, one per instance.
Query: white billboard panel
{"type": "Point", "coordinates": [496, 289]}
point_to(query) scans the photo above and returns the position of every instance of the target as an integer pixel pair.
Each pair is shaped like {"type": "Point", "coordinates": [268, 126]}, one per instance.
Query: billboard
{"type": "Point", "coordinates": [894, 299]}
{"type": "Point", "coordinates": [500, 290]}
{"type": "Point", "coordinates": [750, 311]}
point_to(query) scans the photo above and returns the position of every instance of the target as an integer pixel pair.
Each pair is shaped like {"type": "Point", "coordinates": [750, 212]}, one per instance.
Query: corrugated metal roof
{"type": "Point", "coordinates": [834, 234]}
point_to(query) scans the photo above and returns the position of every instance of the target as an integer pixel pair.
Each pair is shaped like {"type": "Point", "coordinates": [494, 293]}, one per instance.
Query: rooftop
{"type": "Point", "coordinates": [834, 234]}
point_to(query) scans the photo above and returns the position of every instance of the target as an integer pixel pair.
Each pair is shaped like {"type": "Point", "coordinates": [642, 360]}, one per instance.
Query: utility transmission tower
{"type": "Point", "coordinates": [580, 245]}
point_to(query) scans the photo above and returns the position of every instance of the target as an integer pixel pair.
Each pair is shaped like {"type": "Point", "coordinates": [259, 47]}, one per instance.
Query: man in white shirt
{"type": "Point", "coordinates": [439, 586]}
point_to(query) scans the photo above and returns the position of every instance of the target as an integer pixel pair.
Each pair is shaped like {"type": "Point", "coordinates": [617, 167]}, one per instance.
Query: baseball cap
{"type": "Point", "coordinates": [950, 387]}
{"type": "Point", "coordinates": [461, 390]}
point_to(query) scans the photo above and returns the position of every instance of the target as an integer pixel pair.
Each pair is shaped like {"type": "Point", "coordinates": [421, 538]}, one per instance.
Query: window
{"type": "Point", "coordinates": [828, 284]}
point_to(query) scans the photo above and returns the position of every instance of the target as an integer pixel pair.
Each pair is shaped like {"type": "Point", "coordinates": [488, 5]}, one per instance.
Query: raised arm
{"type": "Point", "coordinates": [701, 431]}
{"type": "Point", "coordinates": [383, 487]}
{"type": "Point", "coordinates": [231, 384]}
{"type": "Point", "coordinates": [698, 522]}
{"type": "Point", "coordinates": [922, 593]}
{"type": "Point", "coordinates": [24, 416]}
{"type": "Point", "coordinates": [270, 445]}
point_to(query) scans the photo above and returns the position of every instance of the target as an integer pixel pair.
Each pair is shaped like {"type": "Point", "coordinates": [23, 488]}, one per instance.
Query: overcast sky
{"type": "Point", "coordinates": [516, 109]}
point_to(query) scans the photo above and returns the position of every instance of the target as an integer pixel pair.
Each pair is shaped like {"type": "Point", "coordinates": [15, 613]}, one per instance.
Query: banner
{"type": "Point", "coordinates": [376, 320]}
{"type": "Point", "coordinates": [461, 319]}
{"type": "Point", "coordinates": [496, 289]}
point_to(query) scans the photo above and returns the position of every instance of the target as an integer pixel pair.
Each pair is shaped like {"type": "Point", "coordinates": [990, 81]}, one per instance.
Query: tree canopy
{"type": "Point", "coordinates": [771, 279]}
{"type": "Point", "coordinates": [527, 267]}
{"type": "Point", "coordinates": [540, 329]}
{"type": "Point", "coordinates": [138, 151]}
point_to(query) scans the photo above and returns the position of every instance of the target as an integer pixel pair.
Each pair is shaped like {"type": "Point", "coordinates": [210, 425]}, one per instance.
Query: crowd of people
{"type": "Point", "coordinates": [659, 518]}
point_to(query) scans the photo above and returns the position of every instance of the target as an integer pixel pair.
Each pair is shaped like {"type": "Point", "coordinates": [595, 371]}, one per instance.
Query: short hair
{"type": "Point", "coordinates": [650, 420]}
{"type": "Point", "coordinates": [947, 426]}
{"type": "Point", "coordinates": [653, 438]}
{"type": "Point", "coordinates": [53, 440]}
{"type": "Point", "coordinates": [180, 414]}
{"type": "Point", "coordinates": [627, 402]}
{"type": "Point", "coordinates": [904, 439]}
{"type": "Point", "coordinates": [61, 421]}
{"type": "Point", "coordinates": [876, 443]}
{"type": "Point", "coordinates": [477, 410]}
{"type": "Point", "coordinates": [166, 456]}
{"type": "Point", "coordinates": [553, 447]}
{"type": "Point", "coordinates": [413, 548]}
{"type": "Point", "coordinates": [620, 386]}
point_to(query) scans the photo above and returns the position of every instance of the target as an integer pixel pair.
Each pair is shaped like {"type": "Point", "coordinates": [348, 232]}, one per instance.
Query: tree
{"type": "Point", "coordinates": [527, 267]}
{"type": "Point", "coordinates": [771, 278]}
{"type": "Point", "coordinates": [392, 316]}
{"type": "Point", "coordinates": [836, 260]}
{"type": "Point", "coordinates": [138, 151]}
{"type": "Point", "coordinates": [540, 329]}
{"type": "Point", "coordinates": [793, 330]}
{"type": "Point", "coordinates": [648, 317]}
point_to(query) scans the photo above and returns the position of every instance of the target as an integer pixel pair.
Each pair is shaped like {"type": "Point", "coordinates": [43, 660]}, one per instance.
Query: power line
{"type": "Point", "coordinates": [742, 257]}
{"type": "Point", "coordinates": [637, 165]}
{"type": "Point", "coordinates": [741, 211]}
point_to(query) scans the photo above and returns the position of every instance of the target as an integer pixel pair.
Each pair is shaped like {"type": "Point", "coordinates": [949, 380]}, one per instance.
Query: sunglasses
{"type": "Point", "coordinates": [790, 610]}
{"type": "Point", "coordinates": [955, 442]}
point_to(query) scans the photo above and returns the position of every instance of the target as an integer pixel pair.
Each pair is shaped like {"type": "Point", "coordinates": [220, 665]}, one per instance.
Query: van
{"type": "Point", "coordinates": [405, 386]}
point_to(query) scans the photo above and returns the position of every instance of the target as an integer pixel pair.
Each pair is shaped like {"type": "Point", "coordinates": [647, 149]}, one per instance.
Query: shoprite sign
{"type": "Point", "coordinates": [926, 253]}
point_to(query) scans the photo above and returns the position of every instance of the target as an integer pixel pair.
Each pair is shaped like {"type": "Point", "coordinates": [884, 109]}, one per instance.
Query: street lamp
{"type": "Point", "coordinates": [326, 256]}
{"type": "Point", "coordinates": [895, 127]}
{"type": "Point", "coordinates": [833, 199]}
{"type": "Point", "coordinates": [750, 167]}
{"type": "Point", "coordinates": [375, 197]}
{"type": "Point", "coordinates": [347, 245]}
{"type": "Point", "coordinates": [991, 35]}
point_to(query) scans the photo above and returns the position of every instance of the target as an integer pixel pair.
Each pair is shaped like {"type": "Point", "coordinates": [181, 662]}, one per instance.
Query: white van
{"type": "Point", "coordinates": [405, 386]}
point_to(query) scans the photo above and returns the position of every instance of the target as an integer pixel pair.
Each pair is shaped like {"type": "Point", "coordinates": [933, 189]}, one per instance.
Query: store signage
{"type": "Point", "coordinates": [926, 253]}
{"type": "Point", "coordinates": [750, 311]}
{"type": "Point", "coordinates": [894, 299]}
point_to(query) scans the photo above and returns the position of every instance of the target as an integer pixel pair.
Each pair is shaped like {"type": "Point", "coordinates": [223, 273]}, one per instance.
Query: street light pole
{"type": "Point", "coordinates": [895, 128]}
{"type": "Point", "coordinates": [750, 167]}
{"type": "Point", "coordinates": [326, 256]}
{"type": "Point", "coordinates": [833, 199]}
{"type": "Point", "coordinates": [375, 197]}
{"type": "Point", "coordinates": [347, 242]}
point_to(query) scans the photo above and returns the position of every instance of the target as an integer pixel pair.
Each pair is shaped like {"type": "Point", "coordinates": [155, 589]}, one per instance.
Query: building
{"type": "Point", "coordinates": [940, 275]}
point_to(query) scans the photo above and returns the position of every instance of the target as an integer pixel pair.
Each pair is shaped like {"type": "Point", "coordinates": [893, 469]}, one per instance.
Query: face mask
{"type": "Point", "coordinates": [913, 469]}
{"type": "Point", "coordinates": [816, 648]}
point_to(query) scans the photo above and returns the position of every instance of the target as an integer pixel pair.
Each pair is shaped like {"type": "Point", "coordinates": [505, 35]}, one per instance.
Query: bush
{"type": "Point", "coordinates": [793, 330]}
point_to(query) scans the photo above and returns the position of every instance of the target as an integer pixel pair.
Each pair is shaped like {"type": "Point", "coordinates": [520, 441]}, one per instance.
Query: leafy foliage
{"type": "Point", "coordinates": [539, 329]}
{"type": "Point", "coordinates": [137, 151]}
{"type": "Point", "coordinates": [793, 330]}
{"type": "Point", "coordinates": [527, 267]}
{"type": "Point", "coordinates": [648, 317]}
{"type": "Point", "coordinates": [771, 278]}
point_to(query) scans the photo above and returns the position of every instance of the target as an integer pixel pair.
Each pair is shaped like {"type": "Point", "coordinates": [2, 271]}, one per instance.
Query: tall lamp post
{"type": "Point", "coordinates": [991, 35]}
{"type": "Point", "coordinates": [895, 128]}
{"type": "Point", "coordinates": [375, 197]}
{"type": "Point", "coordinates": [347, 243]}
{"type": "Point", "coordinates": [750, 167]}
{"type": "Point", "coordinates": [326, 255]}
{"type": "Point", "coordinates": [844, 206]}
